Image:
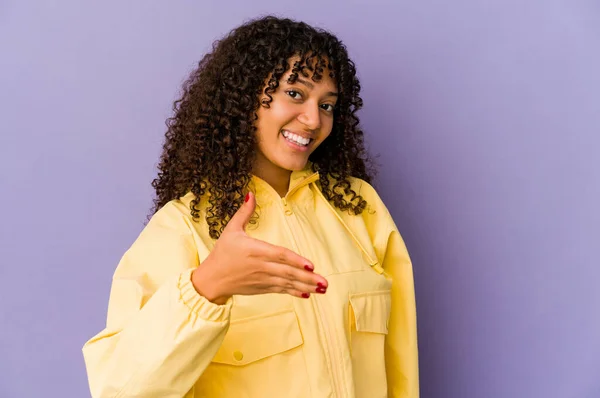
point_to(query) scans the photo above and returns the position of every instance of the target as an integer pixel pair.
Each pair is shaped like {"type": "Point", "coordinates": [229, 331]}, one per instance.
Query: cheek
{"type": "Point", "coordinates": [327, 127]}
{"type": "Point", "coordinates": [321, 140]}
{"type": "Point", "coordinates": [264, 123]}
{"type": "Point", "coordinates": [283, 114]}
{"type": "Point", "coordinates": [275, 117]}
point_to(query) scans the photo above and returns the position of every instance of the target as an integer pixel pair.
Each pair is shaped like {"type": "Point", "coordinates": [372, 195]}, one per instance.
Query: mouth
{"type": "Point", "coordinates": [296, 140]}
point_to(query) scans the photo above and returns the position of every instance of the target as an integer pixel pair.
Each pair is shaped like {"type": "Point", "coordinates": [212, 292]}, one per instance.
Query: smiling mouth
{"type": "Point", "coordinates": [296, 139]}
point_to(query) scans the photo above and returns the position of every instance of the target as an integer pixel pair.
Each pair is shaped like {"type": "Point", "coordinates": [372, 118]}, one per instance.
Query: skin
{"type": "Point", "coordinates": [239, 264]}
{"type": "Point", "coordinates": [305, 108]}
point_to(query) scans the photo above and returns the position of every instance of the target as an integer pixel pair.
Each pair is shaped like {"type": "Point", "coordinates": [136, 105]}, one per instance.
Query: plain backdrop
{"type": "Point", "coordinates": [486, 119]}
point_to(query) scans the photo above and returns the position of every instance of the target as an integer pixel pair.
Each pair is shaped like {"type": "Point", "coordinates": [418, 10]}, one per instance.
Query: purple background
{"type": "Point", "coordinates": [487, 119]}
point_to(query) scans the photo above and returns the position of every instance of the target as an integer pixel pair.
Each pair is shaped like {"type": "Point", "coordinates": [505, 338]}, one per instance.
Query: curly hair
{"type": "Point", "coordinates": [210, 141]}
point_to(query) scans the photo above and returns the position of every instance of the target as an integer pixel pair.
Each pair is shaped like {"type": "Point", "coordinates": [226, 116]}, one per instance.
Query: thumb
{"type": "Point", "coordinates": [241, 218]}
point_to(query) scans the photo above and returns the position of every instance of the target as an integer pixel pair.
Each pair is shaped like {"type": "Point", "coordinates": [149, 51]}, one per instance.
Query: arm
{"type": "Point", "coordinates": [401, 343]}
{"type": "Point", "coordinates": [401, 354]}
{"type": "Point", "coordinates": [160, 333]}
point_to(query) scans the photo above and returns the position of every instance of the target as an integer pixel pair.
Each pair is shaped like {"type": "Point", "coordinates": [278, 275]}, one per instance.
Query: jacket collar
{"type": "Point", "coordinates": [298, 179]}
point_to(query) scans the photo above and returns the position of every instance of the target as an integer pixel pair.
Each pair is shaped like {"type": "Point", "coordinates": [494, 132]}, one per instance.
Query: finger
{"type": "Point", "coordinates": [282, 255]}
{"type": "Point", "coordinates": [283, 286]}
{"type": "Point", "coordinates": [299, 294]}
{"type": "Point", "coordinates": [288, 277]}
{"type": "Point", "coordinates": [241, 217]}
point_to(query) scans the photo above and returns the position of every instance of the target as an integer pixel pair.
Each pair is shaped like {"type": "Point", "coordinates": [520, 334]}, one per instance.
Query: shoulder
{"type": "Point", "coordinates": [167, 239]}
{"type": "Point", "coordinates": [376, 215]}
{"type": "Point", "coordinates": [377, 219]}
{"type": "Point", "coordinates": [375, 205]}
{"type": "Point", "coordinates": [175, 215]}
{"type": "Point", "coordinates": [360, 186]}
{"type": "Point", "coordinates": [363, 188]}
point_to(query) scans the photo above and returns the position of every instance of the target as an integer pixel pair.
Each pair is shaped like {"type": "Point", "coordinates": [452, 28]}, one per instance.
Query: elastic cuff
{"type": "Point", "coordinates": [199, 304]}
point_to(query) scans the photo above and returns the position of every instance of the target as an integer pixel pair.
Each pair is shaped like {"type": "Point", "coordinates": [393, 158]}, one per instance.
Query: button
{"type": "Point", "coordinates": [288, 212]}
{"type": "Point", "coordinates": [238, 356]}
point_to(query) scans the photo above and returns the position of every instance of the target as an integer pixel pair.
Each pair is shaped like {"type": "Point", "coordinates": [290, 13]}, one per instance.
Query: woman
{"type": "Point", "coordinates": [270, 267]}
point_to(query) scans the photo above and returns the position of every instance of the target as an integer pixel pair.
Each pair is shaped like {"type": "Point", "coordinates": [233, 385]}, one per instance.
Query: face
{"type": "Point", "coordinates": [299, 119]}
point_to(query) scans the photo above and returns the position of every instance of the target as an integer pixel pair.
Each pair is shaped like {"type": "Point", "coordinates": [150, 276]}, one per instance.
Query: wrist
{"type": "Point", "coordinates": [207, 286]}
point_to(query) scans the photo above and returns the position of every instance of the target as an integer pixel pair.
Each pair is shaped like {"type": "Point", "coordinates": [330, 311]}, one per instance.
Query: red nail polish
{"type": "Point", "coordinates": [309, 268]}
{"type": "Point", "coordinates": [247, 197]}
{"type": "Point", "coordinates": [305, 295]}
{"type": "Point", "coordinates": [321, 285]}
{"type": "Point", "coordinates": [321, 290]}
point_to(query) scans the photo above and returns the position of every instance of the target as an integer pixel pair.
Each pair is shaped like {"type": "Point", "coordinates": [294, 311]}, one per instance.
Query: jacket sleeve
{"type": "Point", "coordinates": [401, 354]}
{"type": "Point", "coordinates": [160, 334]}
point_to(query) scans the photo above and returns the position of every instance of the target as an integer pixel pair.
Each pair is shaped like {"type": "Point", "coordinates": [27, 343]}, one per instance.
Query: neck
{"type": "Point", "coordinates": [276, 177]}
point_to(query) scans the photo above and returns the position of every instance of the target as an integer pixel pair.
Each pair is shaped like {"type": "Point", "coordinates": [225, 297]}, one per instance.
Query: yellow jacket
{"type": "Point", "coordinates": [162, 339]}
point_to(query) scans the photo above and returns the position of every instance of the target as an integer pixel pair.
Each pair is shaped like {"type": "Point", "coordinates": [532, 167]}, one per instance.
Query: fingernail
{"type": "Point", "coordinates": [319, 284]}
{"type": "Point", "coordinates": [321, 290]}
{"type": "Point", "coordinates": [305, 295]}
{"type": "Point", "coordinates": [309, 268]}
{"type": "Point", "coordinates": [247, 197]}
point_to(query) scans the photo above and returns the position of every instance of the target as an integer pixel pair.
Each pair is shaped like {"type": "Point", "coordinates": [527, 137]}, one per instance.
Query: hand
{"type": "Point", "coordinates": [241, 265]}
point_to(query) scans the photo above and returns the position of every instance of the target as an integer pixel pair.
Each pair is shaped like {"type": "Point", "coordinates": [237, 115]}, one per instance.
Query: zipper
{"type": "Point", "coordinates": [333, 353]}
{"type": "Point", "coordinates": [331, 350]}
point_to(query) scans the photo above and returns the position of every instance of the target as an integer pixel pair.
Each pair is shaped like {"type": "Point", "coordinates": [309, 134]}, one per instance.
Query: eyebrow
{"type": "Point", "coordinates": [311, 86]}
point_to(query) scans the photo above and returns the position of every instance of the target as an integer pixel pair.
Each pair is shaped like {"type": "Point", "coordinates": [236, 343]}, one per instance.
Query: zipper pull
{"type": "Point", "coordinates": [378, 268]}
{"type": "Point", "coordinates": [288, 211]}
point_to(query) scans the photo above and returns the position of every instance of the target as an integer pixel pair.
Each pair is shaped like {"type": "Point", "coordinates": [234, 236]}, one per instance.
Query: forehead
{"type": "Point", "coordinates": [304, 72]}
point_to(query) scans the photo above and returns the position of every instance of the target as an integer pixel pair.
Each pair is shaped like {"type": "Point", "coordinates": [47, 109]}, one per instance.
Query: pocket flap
{"type": "Point", "coordinates": [370, 312]}
{"type": "Point", "coordinates": [252, 339]}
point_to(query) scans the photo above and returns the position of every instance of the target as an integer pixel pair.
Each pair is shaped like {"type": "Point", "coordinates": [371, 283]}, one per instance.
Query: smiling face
{"type": "Point", "coordinates": [299, 119]}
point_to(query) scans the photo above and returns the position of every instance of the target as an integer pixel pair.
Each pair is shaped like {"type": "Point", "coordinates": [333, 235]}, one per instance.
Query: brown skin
{"type": "Point", "coordinates": [211, 139]}
{"type": "Point", "coordinates": [239, 264]}
{"type": "Point", "coordinates": [304, 107]}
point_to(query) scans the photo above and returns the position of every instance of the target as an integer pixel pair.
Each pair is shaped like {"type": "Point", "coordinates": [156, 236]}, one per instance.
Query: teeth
{"type": "Point", "coordinates": [296, 138]}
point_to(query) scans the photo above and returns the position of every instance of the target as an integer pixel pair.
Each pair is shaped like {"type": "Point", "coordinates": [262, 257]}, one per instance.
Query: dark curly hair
{"type": "Point", "coordinates": [210, 141]}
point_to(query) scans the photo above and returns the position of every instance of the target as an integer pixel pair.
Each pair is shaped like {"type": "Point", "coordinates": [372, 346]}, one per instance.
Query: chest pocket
{"type": "Point", "coordinates": [369, 315]}
{"type": "Point", "coordinates": [254, 359]}
{"type": "Point", "coordinates": [370, 311]}
{"type": "Point", "coordinates": [252, 339]}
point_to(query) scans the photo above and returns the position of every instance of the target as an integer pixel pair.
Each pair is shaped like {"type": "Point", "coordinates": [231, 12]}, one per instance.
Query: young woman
{"type": "Point", "coordinates": [270, 266]}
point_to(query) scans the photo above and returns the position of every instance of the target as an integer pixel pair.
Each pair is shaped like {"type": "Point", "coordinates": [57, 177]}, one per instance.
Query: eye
{"type": "Point", "coordinates": [293, 93]}
{"type": "Point", "coordinates": [328, 107]}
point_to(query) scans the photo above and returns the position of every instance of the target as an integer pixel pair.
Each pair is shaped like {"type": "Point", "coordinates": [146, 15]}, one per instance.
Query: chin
{"type": "Point", "coordinates": [293, 166]}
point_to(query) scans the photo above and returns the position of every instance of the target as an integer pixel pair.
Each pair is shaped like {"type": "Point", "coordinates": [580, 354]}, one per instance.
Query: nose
{"type": "Point", "coordinates": [310, 116]}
